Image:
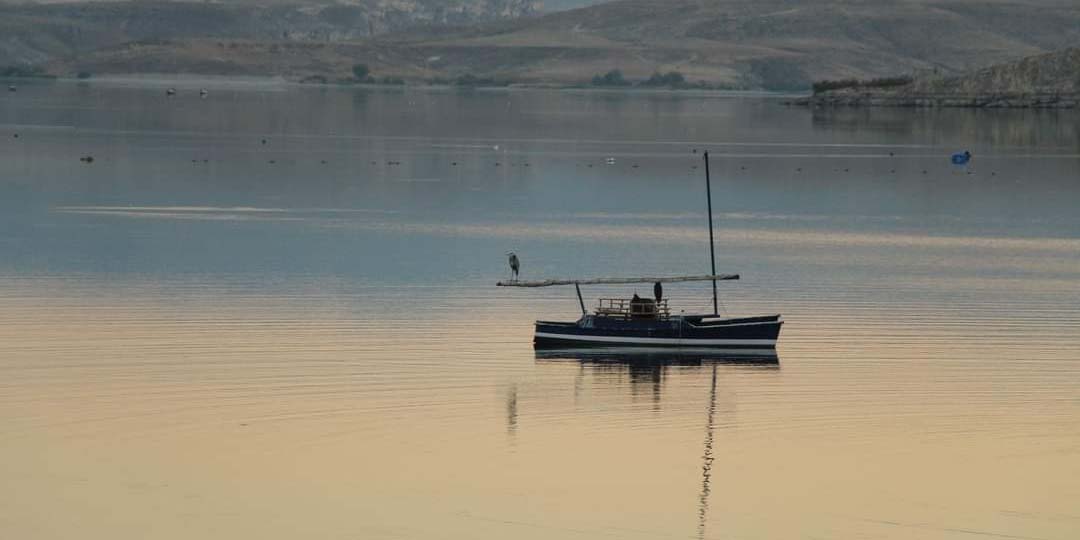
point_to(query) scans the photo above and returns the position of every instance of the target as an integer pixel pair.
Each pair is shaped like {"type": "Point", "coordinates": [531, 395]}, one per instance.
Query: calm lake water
{"type": "Point", "coordinates": [270, 313]}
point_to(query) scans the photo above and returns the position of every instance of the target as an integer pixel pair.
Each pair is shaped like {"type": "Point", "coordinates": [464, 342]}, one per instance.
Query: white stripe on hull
{"type": "Point", "coordinates": [713, 323]}
{"type": "Point", "coordinates": [659, 341]}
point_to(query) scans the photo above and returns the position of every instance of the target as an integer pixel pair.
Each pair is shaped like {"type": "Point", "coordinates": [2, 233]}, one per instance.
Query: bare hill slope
{"type": "Point", "coordinates": [774, 44]}
{"type": "Point", "coordinates": [35, 33]}
{"type": "Point", "coordinates": [780, 43]}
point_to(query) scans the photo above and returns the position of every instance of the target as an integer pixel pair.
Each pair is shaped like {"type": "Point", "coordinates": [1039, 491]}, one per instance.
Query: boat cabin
{"type": "Point", "coordinates": [636, 308]}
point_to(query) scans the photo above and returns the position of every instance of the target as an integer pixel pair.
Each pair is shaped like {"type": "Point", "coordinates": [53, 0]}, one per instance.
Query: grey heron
{"type": "Point", "coordinates": [515, 264]}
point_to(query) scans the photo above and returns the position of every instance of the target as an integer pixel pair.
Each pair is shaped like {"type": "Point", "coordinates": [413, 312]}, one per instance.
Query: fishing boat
{"type": "Point", "coordinates": [649, 322]}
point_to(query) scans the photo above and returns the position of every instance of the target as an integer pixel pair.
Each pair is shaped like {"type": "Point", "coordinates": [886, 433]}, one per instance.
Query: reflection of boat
{"type": "Point", "coordinates": [649, 367]}
{"type": "Point", "coordinates": [682, 356]}
{"type": "Point", "coordinates": [646, 322]}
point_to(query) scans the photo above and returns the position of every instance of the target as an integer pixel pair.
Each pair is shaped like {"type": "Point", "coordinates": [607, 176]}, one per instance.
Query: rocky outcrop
{"type": "Point", "coordinates": [1048, 81]}
{"type": "Point", "coordinates": [987, 101]}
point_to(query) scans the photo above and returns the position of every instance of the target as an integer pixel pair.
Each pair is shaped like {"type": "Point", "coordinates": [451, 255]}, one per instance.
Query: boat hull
{"type": "Point", "coordinates": [666, 356]}
{"type": "Point", "coordinates": [684, 331]}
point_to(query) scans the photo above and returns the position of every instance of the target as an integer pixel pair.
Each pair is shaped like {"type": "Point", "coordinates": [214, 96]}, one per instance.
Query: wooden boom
{"type": "Point", "coordinates": [614, 281]}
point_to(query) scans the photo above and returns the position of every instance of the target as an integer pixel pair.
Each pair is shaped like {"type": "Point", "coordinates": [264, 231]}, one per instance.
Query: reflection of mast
{"type": "Point", "coordinates": [707, 459]}
{"type": "Point", "coordinates": [511, 412]}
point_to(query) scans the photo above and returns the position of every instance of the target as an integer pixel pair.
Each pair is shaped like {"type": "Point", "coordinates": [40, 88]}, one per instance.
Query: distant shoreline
{"type": "Point", "coordinates": [830, 99]}
{"type": "Point", "coordinates": [196, 81]}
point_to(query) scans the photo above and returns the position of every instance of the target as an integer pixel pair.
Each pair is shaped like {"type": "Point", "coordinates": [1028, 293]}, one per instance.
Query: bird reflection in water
{"type": "Point", "coordinates": [650, 366]}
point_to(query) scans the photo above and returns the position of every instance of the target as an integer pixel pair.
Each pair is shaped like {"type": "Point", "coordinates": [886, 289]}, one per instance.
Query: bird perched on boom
{"type": "Point", "coordinates": [515, 265]}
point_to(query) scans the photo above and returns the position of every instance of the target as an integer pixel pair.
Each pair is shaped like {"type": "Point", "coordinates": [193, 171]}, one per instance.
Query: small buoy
{"type": "Point", "coordinates": [272, 161]}
{"type": "Point", "coordinates": [453, 163]}
{"type": "Point", "coordinates": [264, 141]}
{"type": "Point", "coordinates": [203, 93]}
{"type": "Point", "coordinates": [634, 166]}
{"type": "Point", "coordinates": [496, 163]}
{"type": "Point", "coordinates": [16, 135]}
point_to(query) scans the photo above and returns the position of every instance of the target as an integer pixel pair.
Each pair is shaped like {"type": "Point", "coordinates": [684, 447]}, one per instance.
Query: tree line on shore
{"type": "Point", "coordinates": [672, 79]}
{"type": "Point", "coordinates": [881, 82]}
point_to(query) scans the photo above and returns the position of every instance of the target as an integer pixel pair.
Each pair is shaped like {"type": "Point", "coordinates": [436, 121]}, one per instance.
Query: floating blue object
{"type": "Point", "coordinates": [961, 158]}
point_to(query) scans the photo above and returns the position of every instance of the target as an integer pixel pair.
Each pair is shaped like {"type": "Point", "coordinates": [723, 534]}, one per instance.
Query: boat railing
{"type": "Point", "coordinates": [627, 308]}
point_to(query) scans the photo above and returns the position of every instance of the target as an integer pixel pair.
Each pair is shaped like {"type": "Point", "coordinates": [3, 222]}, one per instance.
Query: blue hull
{"type": "Point", "coordinates": [684, 331]}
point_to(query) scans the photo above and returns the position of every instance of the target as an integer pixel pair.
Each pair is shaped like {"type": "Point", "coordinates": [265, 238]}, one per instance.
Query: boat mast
{"type": "Point", "coordinates": [712, 249]}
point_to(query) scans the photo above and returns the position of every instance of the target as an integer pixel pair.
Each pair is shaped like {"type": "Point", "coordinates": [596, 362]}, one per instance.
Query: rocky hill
{"type": "Point", "coordinates": [1042, 81]}
{"type": "Point", "coordinates": [772, 44]}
